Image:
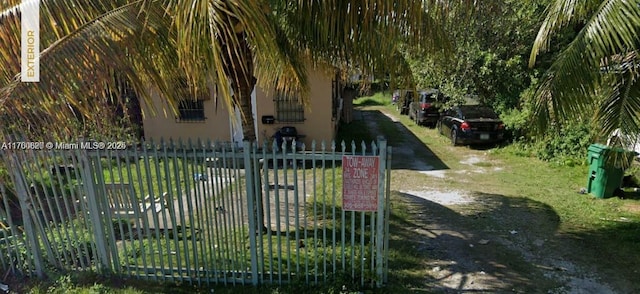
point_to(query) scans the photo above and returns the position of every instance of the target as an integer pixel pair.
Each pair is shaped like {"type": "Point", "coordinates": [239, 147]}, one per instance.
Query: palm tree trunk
{"type": "Point", "coordinates": [243, 86]}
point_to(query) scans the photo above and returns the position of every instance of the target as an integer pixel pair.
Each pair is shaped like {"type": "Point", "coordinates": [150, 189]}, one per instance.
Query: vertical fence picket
{"type": "Point", "coordinates": [181, 168]}
{"type": "Point", "coordinates": [382, 154]}
{"type": "Point", "coordinates": [210, 217]}
{"type": "Point", "coordinates": [353, 227]}
{"type": "Point", "coordinates": [31, 236]}
{"type": "Point", "coordinates": [227, 221]}
{"type": "Point", "coordinates": [315, 214]}
{"type": "Point", "coordinates": [58, 223]}
{"type": "Point", "coordinates": [363, 249]}
{"type": "Point", "coordinates": [278, 218]}
{"type": "Point", "coordinates": [268, 157]}
{"type": "Point", "coordinates": [372, 227]}
{"type": "Point", "coordinates": [216, 234]}
{"type": "Point", "coordinates": [80, 200]}
{"type": "Point", "coordinates": [95, 210]}
{"type": "Point", "coordinates": [343, 218]}
{"type": "Point", "coordinates": [324, 209]}
{"type": "Point", "coordinates": [257, 187]}
{"type": "Point", "coordinates": [140, 228]}
{"type": "Point", "coordinates": [305, 216]}
{"type": "Point", "coordinates": [71, 209]}
{"type": "Point", "coordinates": [387, 214]}
{"type": "Point", "coordinates": [230, 220]}
{"type": "Point", "coordinates": [285, 182]}
{"type": "Point", "coordinates": [199, 167]}
{"type": "Point", "coordinates": [334, 204]}
{"type": "Point", "coordinates": [296, 212]}
{"type": "Point", "coordinates": [104, 215]}
{"type": "Point", "coordinates": [148, 169]}
{"type": "Point", "coordinates": [39, 211]}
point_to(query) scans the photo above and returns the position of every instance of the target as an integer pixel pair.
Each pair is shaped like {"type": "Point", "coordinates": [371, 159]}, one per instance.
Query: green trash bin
{"type": "Point", "coordinates": [604, 176]}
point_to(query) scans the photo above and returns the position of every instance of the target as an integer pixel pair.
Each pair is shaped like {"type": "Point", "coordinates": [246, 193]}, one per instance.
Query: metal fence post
{"type": "Point", "coordinates": [29, 229]}
{"type": "Point", "coordinates": [250, 166]}
{"type": "Point", "coordinates": [94, 211]}
{"type": "Point", "coordinates": [382, 172]}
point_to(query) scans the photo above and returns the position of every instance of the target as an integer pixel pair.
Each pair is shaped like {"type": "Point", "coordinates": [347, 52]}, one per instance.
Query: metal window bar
{"type": "Point", "coordinates": [289, 109]}
{"type": "Point", "coordinates": [191, 110]}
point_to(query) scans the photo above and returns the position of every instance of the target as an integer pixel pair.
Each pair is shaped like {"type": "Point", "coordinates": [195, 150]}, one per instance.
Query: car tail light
{"type": "Point", "coordinates": [500, 127]}
{"type": "Point", "coordinates": [425, 106]}
{"type": "Point", "coordinates": [465, 126]}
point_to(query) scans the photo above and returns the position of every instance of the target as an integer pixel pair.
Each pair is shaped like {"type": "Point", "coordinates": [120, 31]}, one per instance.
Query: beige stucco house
{"type": "Point", "coordinates": [200, 119]}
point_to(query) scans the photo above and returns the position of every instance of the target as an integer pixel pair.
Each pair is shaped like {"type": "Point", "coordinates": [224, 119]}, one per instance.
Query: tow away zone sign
{"type": "Point", "coordinates": [360, 183]}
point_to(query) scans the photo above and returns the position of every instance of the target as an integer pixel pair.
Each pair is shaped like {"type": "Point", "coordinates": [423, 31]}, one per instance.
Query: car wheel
{"type": "Point", "coordinates": [454, 138]}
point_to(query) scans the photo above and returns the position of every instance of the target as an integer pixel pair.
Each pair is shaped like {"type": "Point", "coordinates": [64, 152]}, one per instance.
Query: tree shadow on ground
{"type": "Point", "coordinates": [510, 244]}
{"type": "Point", "coordinates": [468, 252]}
{"type": "Point", "coordinates": [408, 151]}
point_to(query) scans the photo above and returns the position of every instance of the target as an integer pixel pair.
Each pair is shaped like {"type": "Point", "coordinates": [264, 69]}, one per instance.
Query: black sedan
{"type": "Point", "coordinates": [471, 124]}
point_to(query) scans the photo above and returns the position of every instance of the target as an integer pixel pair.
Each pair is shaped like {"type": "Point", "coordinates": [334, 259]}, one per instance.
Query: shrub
{"type": "Point", "coordinates": [565, 146]}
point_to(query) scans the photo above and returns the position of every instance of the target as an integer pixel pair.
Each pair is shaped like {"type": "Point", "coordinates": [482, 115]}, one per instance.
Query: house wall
{"type": "Point", "coordinates": [318, 124]}
{"type": "Point", "coordinates": [164, 124]}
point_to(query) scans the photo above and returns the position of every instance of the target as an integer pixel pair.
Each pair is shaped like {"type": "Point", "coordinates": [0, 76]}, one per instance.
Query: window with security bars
{"type": "Point", "coordinates": [288, 109]}
{"type": "Point", "coordinates": [190, 110]}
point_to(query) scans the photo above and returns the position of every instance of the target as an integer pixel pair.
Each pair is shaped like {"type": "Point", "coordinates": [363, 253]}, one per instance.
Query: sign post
{"type": "Point", "coordinates": [360, 183]}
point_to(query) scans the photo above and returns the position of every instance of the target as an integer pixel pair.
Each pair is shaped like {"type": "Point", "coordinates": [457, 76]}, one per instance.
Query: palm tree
{"type": "Point", "coordinates": [87, 46]}
{"type": "Point", "coordinates": [595, 76]}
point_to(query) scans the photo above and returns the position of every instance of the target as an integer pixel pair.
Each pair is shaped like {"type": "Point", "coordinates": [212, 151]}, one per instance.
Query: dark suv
{"type": "Point", "coordinates": [425, 110]}
{"type": "Point", "coordinates": [471, 124]}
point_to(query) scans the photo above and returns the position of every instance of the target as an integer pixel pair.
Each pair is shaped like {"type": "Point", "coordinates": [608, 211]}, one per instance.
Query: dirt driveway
{"type": "Point", "coordinates": [517, 253]}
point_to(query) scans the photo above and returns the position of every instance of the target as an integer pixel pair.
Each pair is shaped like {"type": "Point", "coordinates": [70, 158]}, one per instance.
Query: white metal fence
{"type": "Point", "coordinates": [193, 212]}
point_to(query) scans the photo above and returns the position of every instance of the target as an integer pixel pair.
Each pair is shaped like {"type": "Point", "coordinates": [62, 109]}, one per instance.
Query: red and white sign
{"type": "Point", "coordinates": [360, 183]}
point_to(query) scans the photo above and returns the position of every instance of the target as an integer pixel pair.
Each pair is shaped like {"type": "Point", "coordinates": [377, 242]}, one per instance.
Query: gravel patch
{"type": "Point", "coordinates": [442, 197]}
{"type": "Point", "coordinates": [434, 173]}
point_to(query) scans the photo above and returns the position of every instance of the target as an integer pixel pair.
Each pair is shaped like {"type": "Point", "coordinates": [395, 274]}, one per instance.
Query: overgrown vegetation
{"type": "Point", "coordinates": [490, 61]}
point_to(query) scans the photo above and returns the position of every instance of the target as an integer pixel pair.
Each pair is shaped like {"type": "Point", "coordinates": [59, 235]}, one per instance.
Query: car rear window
{"type": "Point", "coordinates": [471, 112]}
{"type": "Point", "coordinates": [427, 98]}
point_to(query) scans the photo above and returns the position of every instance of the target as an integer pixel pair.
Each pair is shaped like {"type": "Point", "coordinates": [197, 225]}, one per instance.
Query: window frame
{"type": "Point", "coordinates": [288, 109]}
{"type": "Point", "coordinates": [191, 110]}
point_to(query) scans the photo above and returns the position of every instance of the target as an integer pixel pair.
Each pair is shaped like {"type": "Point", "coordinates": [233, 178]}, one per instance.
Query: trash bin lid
{"type": "Point", "coordinates": [598, 148]}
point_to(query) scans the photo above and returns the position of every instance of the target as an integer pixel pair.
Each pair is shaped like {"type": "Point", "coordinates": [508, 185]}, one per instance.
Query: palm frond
{"type": "Point", "coordinates": [77, 69]}
{"type": "Point", "coordinates": [569, 87]}
{"type": "Point", "coordinates": [560, 13]}
{"type": "Point", "coordinates": [621, 105]}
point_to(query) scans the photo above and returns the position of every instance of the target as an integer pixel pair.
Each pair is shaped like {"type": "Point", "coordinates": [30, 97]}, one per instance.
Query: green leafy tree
{"type": "Point", "coordinates": [491, 46]}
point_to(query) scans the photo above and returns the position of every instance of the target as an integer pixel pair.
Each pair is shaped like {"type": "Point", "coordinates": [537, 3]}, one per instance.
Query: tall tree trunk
{"type": "Point", "coordinates": [243, 85]}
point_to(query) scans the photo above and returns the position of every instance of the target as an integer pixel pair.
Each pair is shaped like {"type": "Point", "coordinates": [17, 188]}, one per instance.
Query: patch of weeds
{"type": "Point", "coordinates": [379, 98]}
